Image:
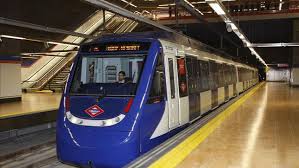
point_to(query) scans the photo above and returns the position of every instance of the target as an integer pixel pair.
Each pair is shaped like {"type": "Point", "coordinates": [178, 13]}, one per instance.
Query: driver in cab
{"type": "Point", "coordinates": [121, 77]}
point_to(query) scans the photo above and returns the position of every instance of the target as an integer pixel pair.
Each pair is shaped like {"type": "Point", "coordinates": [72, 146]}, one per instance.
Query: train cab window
{"type": "Point", "coordinates": [98, 74]}
{"type": "Point", "coordinates": [182, 76]}
{"type": "Point", "coordinates": [157, 91]}
{"type": "Point", "coordinates": [171, 75]}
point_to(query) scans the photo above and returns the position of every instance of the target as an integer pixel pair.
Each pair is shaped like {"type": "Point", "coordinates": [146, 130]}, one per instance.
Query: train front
{"type": "Point", "coordinates": [97, 124]}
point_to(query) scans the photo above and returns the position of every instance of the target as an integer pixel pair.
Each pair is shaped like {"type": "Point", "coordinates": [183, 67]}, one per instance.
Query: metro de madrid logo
{"type": "Point", "coordinates": [94, 111]}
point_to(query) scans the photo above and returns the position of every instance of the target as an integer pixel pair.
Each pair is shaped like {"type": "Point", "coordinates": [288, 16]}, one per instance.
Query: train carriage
{"type": "Point", "coordinates": [168, 81]}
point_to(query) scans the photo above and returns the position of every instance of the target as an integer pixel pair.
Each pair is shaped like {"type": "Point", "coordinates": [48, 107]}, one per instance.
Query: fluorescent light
{"type": "Point", "coordinates": [166, 5]}
{"type": "Point", "coordinates": [234, 27]}
{"type": "Point", "coordinates": [146, 11]}
{"type": "Point", "coordinates": [280, 4]}
{"type": "Point", "coordinates": [241, 37]}
{"type": "Point", "coordinates": [198, 11]}
{"type": "Point", "coordinates": [57, 43]}
{"type": "Point", "coordinates": [129, 3]}
{"type": "Point", "coordinates": [36, 40]}
{"type": "Point", "coordinates": [13, 37]}
{"type": "Point", "coordinates": [217, 8]}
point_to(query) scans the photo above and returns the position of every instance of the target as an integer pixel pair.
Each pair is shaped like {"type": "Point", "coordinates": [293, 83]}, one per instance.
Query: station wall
{"type": "Point", "coordinates": [278, 75]}
{"type": "Point", "coordinates": [10, 80]}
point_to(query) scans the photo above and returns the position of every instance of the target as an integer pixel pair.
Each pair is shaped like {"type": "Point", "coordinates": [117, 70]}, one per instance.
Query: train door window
{"type": "Point", "coordinates": [171, 75]}
{"type": "Point", "coordinates": [220, 75]}
{"type": "Point", "coordinates": [198, 76]}
{"type": "Point", "coordinates": [194, 73]}
{"type": "Point", "coordinates": [239, 74]}
{"type": "Point", "coordinates": [213, 75]}
{"type": "Point", "coordinates": [157, 91]}
{"type": "Point", "coordinates": [234, 74]}
{"type": "Point", "coordinates": [182, 75]}
{"type": "Point", "coordinates": [204, 75]}
{"type": "Point", "coordinates": [225, 74]}
{"type": "Point", "coordinates": [231, 73]}
{"type": "Point", "coordinates": [190, 74]}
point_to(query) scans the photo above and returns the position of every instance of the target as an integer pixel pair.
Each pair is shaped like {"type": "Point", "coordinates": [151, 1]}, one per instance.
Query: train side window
{"type": "Point", "coordinates": [171, 75]}
{"type": "Point", "coordinates": [157, 91]}
{"type": "Point", "coordinates": [182, 76]}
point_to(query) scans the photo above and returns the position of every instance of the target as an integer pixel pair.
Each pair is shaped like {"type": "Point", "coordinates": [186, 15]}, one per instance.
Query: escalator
{"type": "Point", "coordinates": [56, 77]}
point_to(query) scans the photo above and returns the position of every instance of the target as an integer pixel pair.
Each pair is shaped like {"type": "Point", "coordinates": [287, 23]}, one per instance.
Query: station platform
{"type": "Point", "coordinates": [34, 109]}
{"type": "Point", "coordinates": [257, 130]}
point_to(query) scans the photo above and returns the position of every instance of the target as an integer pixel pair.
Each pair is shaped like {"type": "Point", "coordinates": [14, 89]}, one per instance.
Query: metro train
{"type": "Point", "coordinates": [128, 93]}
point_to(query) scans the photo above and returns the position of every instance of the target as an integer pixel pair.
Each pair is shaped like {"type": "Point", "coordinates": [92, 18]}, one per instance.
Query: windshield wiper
{"type": "Point", "coordinates": [101, 96]}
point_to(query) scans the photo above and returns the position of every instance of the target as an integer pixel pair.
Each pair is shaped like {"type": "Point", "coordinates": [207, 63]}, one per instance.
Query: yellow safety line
{"type": "Point", "coordinates": [181, 151]}
{"type": "Point", "coordinates": [17, 114]}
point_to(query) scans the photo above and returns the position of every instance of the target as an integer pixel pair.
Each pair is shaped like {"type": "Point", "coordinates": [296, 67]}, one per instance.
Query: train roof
{"type": "Point", "coordinates": [171, 37]}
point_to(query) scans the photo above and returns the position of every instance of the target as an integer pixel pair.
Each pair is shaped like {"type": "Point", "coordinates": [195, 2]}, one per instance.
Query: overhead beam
{"type": "Point", "coordinates": [126, 13]}
{"type": "Point", "coordinates": [22, 24]}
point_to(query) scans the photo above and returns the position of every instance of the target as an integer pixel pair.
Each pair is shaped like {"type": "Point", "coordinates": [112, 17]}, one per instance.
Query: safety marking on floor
{"type": "Point", "coordinates": [181, 151]}
{"type": "Point", "coordinates": [25, 113]}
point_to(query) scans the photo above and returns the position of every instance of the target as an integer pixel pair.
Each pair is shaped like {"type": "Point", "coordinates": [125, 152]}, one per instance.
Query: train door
{"type": "Point", "coordinates": [172, 89]}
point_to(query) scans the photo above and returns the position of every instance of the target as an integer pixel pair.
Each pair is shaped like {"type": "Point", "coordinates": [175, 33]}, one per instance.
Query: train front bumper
{"type": "Point", "coordinates": [90, 147]}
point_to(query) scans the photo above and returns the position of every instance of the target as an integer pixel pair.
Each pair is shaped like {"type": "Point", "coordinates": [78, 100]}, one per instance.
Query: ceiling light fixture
{"type": "Point", "coordinates": [12, 37]}
{"type": "Point", "coordinates": [216, 7]}
{"type": "Point", "coordinates": [194, 3]}
{"type": "Point", "coordinates": [280, 5]}
{"type": "Point", "coordinates": [37, 40]}
{"type": "Point", "coordinates": [219, 8]}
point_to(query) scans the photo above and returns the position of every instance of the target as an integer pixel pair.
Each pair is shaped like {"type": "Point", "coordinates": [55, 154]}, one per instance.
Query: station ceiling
{"type": "Point", "coordinates": [69, 14]}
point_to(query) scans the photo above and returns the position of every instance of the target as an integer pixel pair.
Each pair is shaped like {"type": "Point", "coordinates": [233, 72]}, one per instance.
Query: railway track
{"type": "Point", "coordinates": [41, 157]}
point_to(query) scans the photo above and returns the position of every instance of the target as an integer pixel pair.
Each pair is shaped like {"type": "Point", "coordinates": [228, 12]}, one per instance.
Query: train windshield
{"type": "Point", "coordinates": [107, 75]}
